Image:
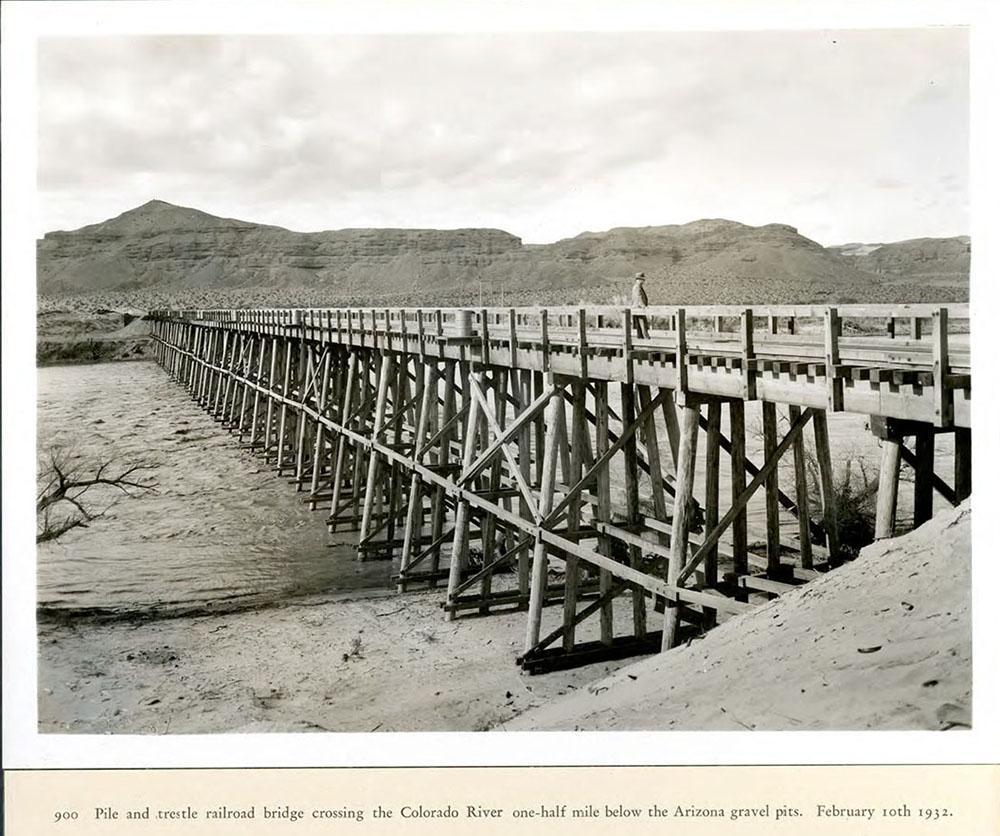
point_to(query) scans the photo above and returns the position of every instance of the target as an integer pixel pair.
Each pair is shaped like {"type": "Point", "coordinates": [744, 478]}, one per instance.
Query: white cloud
{"type": "Point", "coordinates": [544, 135]}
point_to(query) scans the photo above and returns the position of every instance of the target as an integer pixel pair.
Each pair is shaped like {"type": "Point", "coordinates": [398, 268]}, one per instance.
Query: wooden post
{"type": "Point", "coordinates": [771, 490]}
{"type": "Point", "coordinates": [415, 510]}
{"type": "Point", "coordinates": [385, 374]}
{"type": "Point", "coordinates": [460, 541]}
{"type": "Point", "coordinates": [337, 479]}
{"type": "Point", "coordinates": [601, 444]}
{"type": "Point", "coordinates": [538, 384]}
{"type": "Point", "coordinates": [738, 470]}
{"type": "Point", "coordinates": [749, 363]}
{"type": "Point", "coordinates": [564, 454]}
{"type": "Point", "coordinates": [286, 389]}
{"type": "Point", "coordinates": [401, 398]}
{"type": "Point", "coordinates": [512, 336]}
{"type": "Point", "coordinates": [923, 480]}
{"type": "Point", "coordinates": [269, 416]}
{"type": "Point", "coordinates": [205, 355]}
{"type": "Point", "coordinates": [888, 489]}
{"type": "Point", "coordinates": [489, 525]}
{"type": "Point", "coordinates": [524, 464]}
{"type": "Point", "coordinates": [681, 358]}
{"type": "Point", "coordinates": [943, 394]}
{"type": "Point", "coordinates": [683, 506]}
{"type": "Point", "coordinates": [963, 463]}
{"type": "Point", "coordinates": [652, 444]}
{"type": "Point", "coordinates": [319, 436]}
{"type": "Point", "coordinates": [262, 340]}
{"type": "Point", "coordinates": [835, 386]}
{"type": "Point", "coordinates": [246, 388]}
{"type": "Point", "coordinates": [632, 502]}
{"type": "Point", "coordinates": [579, 429]}
{"type": "Point", "coordinates": [305, 365]}
{"type": "Point", "coordinates": [712, 455]}
{"type": "Point", "coordinates": [545, 339]}
{"type": "Point", "coordinates": [484, 336]}
{"type": "Point", "coordinates": [826, 484]}
{"type": "Point", "coordinates": [442, 457]}
{"type": "Point", "coordinates": [801, 492]}
{"type": "Point", "coordinates": [540, 563]}
{"type": "Point", "coordinates": [670, 421]}
{"type": "Point", "coordinates": [232, 361]}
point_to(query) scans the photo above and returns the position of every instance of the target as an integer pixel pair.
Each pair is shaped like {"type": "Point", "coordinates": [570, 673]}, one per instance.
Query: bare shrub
{"type": "Point", "coordinates": [65, 481]}
{"type": "Point", "coordinates": [855, 488]}
{"type": "Point", "coordinates": [354, 650]}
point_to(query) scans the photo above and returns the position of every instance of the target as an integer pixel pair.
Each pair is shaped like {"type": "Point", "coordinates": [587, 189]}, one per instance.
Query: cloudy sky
{"type": "Point", "coordinates": [847, 135]}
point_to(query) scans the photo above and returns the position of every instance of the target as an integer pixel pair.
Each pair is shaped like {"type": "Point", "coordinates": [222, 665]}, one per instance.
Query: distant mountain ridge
{"type": "Point", "coordinates": [944, 259]}
{"type": "Point", "coordinates": [162, 250]}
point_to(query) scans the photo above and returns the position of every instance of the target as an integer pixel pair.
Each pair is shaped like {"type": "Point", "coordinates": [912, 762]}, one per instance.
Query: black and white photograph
{"type": "Point", "coordinates": [501, 380]}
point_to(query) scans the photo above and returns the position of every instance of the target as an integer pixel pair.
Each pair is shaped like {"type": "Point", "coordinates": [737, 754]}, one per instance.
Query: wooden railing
{"type": "Point", "coordinates": [767, 352]}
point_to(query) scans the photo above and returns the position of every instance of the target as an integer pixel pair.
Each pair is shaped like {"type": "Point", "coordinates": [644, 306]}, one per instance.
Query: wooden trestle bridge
{"type": "Point", "coordinates": [568, 439]}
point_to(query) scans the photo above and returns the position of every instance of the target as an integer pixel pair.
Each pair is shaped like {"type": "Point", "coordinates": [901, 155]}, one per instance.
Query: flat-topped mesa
{"type": "Point", "coordinates": [159, 245]}
{"type": "Point", "coordinates": [184, 253]}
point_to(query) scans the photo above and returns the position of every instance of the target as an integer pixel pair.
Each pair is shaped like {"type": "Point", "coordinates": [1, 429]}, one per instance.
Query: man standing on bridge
{"type": "Point", "coordinates": [640, 300]}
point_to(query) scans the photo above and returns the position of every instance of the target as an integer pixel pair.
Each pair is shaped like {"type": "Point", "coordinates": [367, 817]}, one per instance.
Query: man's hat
{"type": "Point", "coordinates": [640, 276]}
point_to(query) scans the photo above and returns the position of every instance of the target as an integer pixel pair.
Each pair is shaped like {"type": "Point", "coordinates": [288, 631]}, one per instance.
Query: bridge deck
{"type": "Point", "coordinates": [854, 358]}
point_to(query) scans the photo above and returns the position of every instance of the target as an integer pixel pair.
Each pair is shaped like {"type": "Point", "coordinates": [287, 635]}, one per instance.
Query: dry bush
{"type": "Point", "coordinates": [74, 493]}
{"type": "Point", "coordinates": [855, 488]}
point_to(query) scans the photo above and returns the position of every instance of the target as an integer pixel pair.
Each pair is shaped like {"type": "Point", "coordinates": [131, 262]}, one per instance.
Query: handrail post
{"type": "Point", "coordinates": [681, 357]}
{"type": "Point", "coordinates": [545, 339]}
{"type": "Point", "coordinates": [835, 386]}
{"type": "Point", "coordinates": [943, 395]}
{"type": "Point", "coordinates": [512, 336]}
{"type": "Point", "coordinates": [749, 364]}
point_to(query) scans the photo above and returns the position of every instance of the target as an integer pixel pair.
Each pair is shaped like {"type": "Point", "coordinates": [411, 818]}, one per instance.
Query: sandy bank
{"type": "Point", "coordinates": [881, 643]}
{"type": "Point", "coordinates": [377, 662]}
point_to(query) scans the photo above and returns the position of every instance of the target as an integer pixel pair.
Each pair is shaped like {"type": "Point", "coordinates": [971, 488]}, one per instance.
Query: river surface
{"type": "Point", "coordinates": [221, 532]}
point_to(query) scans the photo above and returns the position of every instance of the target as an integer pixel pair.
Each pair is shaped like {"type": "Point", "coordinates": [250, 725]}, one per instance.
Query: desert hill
{"type": "Point", "coordinates": [945, 261]}
{"type": "Point", "coordinates": [884, 642]}
{"type": "Point", "coordinates": [159, 246]}
{"type": "Point", "coordinates": [158, 253]}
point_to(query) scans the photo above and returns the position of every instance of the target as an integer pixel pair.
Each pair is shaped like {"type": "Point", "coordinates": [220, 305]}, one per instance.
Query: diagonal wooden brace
{"type": "Point", "coordinates": [713, 537]}
{"type": "Point", "coordinates": [479, 465]}
{"type": "Point", "coordinates": [605, 457]}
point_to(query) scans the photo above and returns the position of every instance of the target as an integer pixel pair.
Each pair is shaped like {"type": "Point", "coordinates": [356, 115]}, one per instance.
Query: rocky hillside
{"type": "Point", "coordinates": [159, 246]}
{"type": "Point", "coordinates": [160, 253]}
{"type": "Point", "coordinates": [944, 261]}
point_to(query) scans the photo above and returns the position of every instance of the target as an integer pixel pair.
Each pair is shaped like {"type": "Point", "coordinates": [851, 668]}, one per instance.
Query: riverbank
{"type": "Point", "coordinates": [219, 602]}
{"type": "Point", "coordinates": [66, 336]}
{"type": "Point", "coordinates": [363, 662]}
{"type": "Point", "coordinates": [881, 643]}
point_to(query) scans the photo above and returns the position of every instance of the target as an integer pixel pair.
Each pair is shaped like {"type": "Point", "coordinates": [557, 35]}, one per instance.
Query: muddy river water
{"type": "Point", "coordinates": [222, 531]}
